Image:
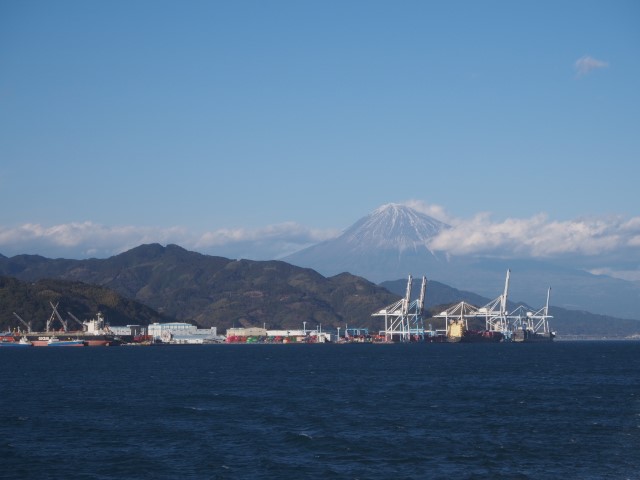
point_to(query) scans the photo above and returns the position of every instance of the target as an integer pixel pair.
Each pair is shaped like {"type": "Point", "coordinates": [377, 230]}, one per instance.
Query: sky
{"type": "Point", "coordinates": [253, 128]}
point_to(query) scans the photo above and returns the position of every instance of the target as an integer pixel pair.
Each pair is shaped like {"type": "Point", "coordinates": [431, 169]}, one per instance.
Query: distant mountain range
{"type": "Point", "coordinates": [392, 242]}
{"type": "Point", "coordinates": [155, 283]}
{"type": "Point", "coordinates": [215, 291]}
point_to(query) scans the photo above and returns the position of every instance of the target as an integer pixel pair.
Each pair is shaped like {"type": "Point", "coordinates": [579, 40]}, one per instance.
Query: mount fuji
{"type": "Point", "coordinates": [389, 243]}
{"type": "Point", "coordinates": [393, 241]}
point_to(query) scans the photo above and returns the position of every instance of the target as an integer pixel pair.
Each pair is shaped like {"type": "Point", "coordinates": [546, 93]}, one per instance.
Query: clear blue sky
{"type": "Point", "coordinates": [244, 114]}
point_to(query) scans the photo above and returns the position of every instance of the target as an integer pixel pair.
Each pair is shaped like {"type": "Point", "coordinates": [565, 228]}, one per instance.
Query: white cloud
{"type": "Point", "coordinates": [82, 239]}
{"type": "Point", "coordinates": [586, 64]}
{"type": "Point", "coordinates": [630, 275]}
{"type": "Point", "coordinates": [87, 239]}
{"type": "Point", "coordinates": [289, 230]}
{"type": "Point", "coordinates": [436, 211]}
{"type": "Point", "coordinates": [608, 245]}
{"type": "Point", "coordinates": [537, 236]}
{"type": "Point", "coordinates": [272, 241]}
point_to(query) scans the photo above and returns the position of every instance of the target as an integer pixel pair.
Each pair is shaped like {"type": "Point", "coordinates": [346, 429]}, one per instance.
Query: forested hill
{"type": "Point", "coordinates": [155, 283]}
{"type": "Point", "coordinates": [215, 291]}
{"type": "Point", "coordinates": [31, 301]}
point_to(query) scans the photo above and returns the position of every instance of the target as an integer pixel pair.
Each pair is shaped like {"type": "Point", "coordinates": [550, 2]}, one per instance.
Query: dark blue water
{"type": "Point", "coordinates": [540, 411]}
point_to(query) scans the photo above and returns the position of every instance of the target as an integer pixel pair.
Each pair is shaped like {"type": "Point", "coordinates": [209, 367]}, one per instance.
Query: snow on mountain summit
{"type": "Point", "coordinates": [388, 243]}
{"type": "Point", "coordinates": [393, 226]}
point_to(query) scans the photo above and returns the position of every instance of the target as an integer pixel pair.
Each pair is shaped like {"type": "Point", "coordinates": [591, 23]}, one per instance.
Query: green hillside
{"type": "Point", "coordinates": [31, 301]}
{"type": "Point", "coordinates": [215, 291]}
{"type": "Point", "coordinates": [152, 282]}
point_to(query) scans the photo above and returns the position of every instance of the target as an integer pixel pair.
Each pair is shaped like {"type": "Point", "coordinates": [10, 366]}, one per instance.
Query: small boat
{"type": "Point", "coordinates": [56, 342]}
{"type": "Point", "coordinates": [23, 342]}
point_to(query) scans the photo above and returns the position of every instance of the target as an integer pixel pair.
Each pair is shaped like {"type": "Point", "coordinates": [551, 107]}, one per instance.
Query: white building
{"type": "Point", "coordinates": [300, 335]}
{"type": "Point", "coordinates": [127, 330]}
{"type": "Point", "coordinates": [178, 332]}
{"type": "Point", "coordinates": [321, 337]}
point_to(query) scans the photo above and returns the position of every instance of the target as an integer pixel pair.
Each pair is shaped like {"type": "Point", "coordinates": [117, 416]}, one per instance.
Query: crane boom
{"type": "Point", "coordinates": [407, 297]}
{"type": "Point", "coordinates": [423, 290]}
{"type": "Point", "coordinates": [55, 312]}
{"type": "Point", "coordinates": [76, 319]}
{"type": "Point", "coordinates": [503, 300]}
{"type": "Point", "coordinates": [546, 307]}
{"type": "Point", "coordinates": [28, 325]}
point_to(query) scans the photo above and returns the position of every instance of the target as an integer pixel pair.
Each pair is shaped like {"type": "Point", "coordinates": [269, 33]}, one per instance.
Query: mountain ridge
{"type": "Point", "coordinates": [380, 261]}
{"type": "Point", "coordinates": [215, 291]}
{"type": "Point", "coordinates": [221, 292]}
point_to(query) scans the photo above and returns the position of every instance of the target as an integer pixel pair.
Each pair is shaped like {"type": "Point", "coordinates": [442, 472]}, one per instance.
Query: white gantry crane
{"type": "Point", "coordinates": [417, 307]}
{"type": "Point", "coordinates": [495, 312]}
{"type": "Point", "coordinates": [531, 323]}
{"type": "Point", "coordinates": [540, 319]}
{"type": "Point", "coordinates": [403, 319]}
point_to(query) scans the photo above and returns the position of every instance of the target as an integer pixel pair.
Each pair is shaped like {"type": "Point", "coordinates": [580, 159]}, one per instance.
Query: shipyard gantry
{"type": "Point", "coordinates": [404, 320]}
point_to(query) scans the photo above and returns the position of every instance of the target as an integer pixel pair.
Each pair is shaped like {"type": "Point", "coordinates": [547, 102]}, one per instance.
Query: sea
{"type": "Point", "coordinates": [562, 410]}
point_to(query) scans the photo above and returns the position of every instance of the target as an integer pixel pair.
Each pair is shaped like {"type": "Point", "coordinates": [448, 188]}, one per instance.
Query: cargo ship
{"type": "Point", "coordinates": [528, 335]}
{"type": "Point", "coordinates": [521, 325]}
{"type": "Point", "coordinates": [482, 336]}
{"type": "Point", "coordinates": [45, 339]}
{"type": "Point", "coordinates": [94, 333]}
{"type": "Point", "coordinates": [458, 332]}
{"type": "Point", "coordinates": [457, 327]}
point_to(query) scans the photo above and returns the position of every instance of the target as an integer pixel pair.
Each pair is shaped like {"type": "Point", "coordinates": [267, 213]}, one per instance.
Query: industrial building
{"type": "Point", "coordinates": [254, 335]}
{"type": "Point", "coordinates": [182, 333]}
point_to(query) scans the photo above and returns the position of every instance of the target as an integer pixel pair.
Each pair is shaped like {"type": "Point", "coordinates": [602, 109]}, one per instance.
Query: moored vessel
{"type": "Point", "coordinates": [41, 339]}
{"type": "Point", "coordinates": [10, 341]}
{"type": "Point", "coordinates": [528, 335]}
{"type": "Point", "coordinates": [94, 332]}
{"type": "Point", "coordinates": [56, 342]}
{"type": "Point", "coordinates": [482, 336]}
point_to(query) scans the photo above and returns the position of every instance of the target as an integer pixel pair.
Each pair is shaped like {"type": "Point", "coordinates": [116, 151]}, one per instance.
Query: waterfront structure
{"type": "Point", "coordinates": [262, 335]}
{"type": "Point", "coordinates": [94, 332]}
{"type": "Point", "coordinates": [182, 333]}
{"type": "Point", "coordinates": [403, 320]}
{"type": "Point", "coordinates": [520, 325]}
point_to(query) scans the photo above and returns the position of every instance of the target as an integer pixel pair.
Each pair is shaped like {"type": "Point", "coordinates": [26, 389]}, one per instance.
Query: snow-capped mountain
{"type": "Point", "coordinates": [393, 242]}
{"type": "Point", "coordinates": [393, 227]}
{"type": "Point", "coordinates": [388, 243]}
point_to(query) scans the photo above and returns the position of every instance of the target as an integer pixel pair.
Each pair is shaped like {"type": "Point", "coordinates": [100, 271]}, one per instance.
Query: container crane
{"type": "Point", "coordinates": [403, 318]}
